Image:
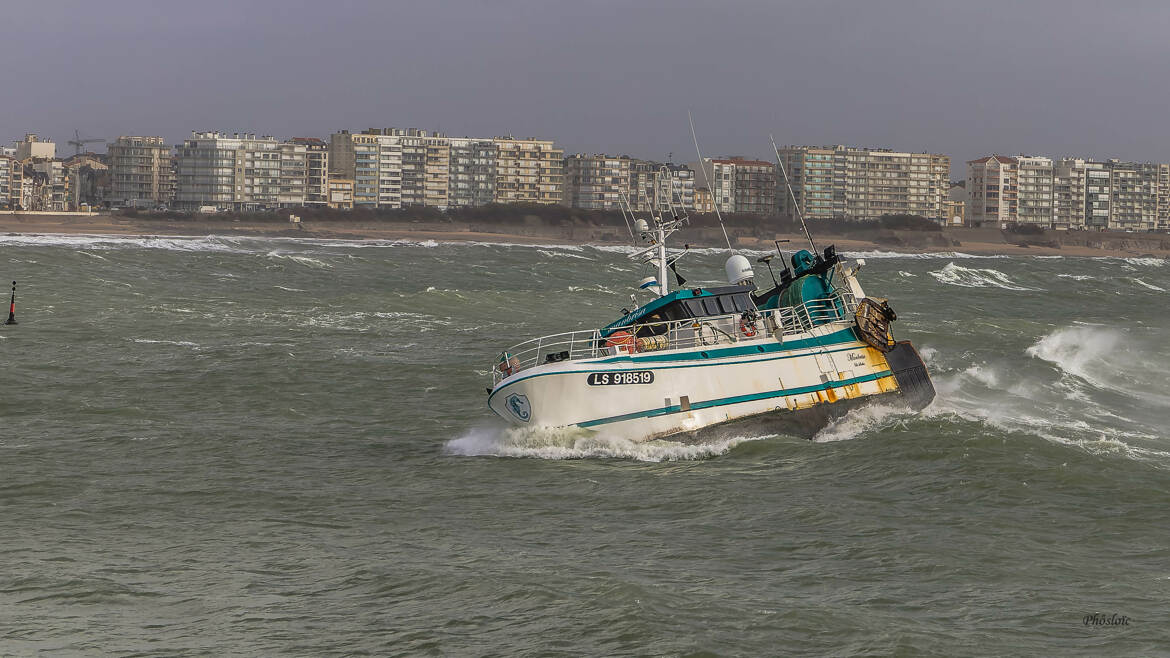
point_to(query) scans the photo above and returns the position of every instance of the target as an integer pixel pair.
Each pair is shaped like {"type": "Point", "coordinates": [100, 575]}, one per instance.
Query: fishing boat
{"type": "Point", "coordinates": [789, 357]}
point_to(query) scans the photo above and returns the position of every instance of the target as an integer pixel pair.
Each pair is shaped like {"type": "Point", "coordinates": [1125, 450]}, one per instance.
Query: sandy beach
{"type": "Point", "coordinates": [981, 241]}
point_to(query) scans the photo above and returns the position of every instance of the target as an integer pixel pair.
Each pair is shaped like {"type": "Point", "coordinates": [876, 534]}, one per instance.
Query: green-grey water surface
{"type": "Point", "coordinates": [281, 447]}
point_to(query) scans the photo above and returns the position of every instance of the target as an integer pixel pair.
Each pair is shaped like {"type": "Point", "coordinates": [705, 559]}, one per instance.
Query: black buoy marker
{"type": "Point", "coordinates": [12, 306]}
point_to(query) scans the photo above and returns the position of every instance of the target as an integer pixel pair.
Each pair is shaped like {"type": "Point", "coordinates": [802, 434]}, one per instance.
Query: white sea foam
{"type": "Point", "coordinates": [972, 277]}
{"type": "Point", "coordinates": [1077, 277]}
{"type": "Point", "coordinates": [865, 420]}
{"type": "Point", "coordinates": [1143, 284]}
{"type": "Point", "coordinates": [179, 343]}
{"type": "Point", "coordinates": [212, 243]}
{"type": "Point", "coordinates": [1146, 261]}
{"type": "Point", "coordinates": [904, 274]}
{"type": "Point", "coordinates": [576, 443]}
{"type": "Point", "coordinates": [923, 256]}
{"type": "Point", "coordinates": [558, 254]}
{"type": "Point", "coordinates": [302, 260]}
{"type": "Point", "coordinates": [1082, 350]}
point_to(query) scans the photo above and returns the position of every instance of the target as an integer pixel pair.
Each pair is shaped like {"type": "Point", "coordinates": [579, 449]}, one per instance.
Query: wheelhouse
{"type": "Point", "coordinates": [687, 304]}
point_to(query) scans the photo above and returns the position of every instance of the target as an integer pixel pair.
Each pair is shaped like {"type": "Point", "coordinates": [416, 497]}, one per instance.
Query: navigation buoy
{"type": "Point", "coordinates": [12, 306]}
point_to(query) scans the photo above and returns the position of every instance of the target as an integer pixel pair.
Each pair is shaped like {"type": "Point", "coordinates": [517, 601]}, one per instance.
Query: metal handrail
{"type": "Point", "coordinates": [674, 334]}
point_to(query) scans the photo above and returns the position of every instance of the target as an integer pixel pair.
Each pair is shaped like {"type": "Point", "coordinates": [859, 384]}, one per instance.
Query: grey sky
{"type": "Point", "coordinates": [961, 78]}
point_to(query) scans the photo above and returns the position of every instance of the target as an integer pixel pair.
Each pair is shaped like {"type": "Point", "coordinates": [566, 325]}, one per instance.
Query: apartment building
{"type": "Point", "coordinates": [528, 171]}
{"type": "Point", "coordinates": [240, 172]}
{"type": "Point", "coordinates": [373, 161]}
{"type": "Point", "coordinates": [1069, 193]}
{"type": "Point", "coordinates": [597, 182]}
{"type": "Point", "coordinates": [140, 171]}
{"type": "Point", "coordinates": [471, 172]}
{"type": "Point", "coordinates": [718, 177]}
{"type": "Point", "coordinates": [755, 186]}
{"type": "Point", "coordinates": [863, 183]}
{"type": "Point", "coordinates": [6, 167]}
{"type": "Point", "coordinates": [393, 167]}
{"type": "Point", "coordinates": [33, 146]}
{"type": "Point", "coordinates": [316, 170]}
{"type": "Point", "coordinates": [1034, 181]}
{"type": "Point", "coordinates": [437, 171]}
{"type": "Point", "coordinates": [1138, 195]}
{"type": "Point", "coordinates": [992, 188]}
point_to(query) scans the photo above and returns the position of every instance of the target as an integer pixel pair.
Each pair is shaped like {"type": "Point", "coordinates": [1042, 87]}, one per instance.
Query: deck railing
{"type": "Point", "coordinates": [675, 334]}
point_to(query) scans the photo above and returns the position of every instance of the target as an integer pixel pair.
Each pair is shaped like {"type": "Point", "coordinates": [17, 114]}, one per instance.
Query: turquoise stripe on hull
{"type": "Point", "coordinates": [673, 409]}
{"type": "Point", "coordinates": [636, 362]}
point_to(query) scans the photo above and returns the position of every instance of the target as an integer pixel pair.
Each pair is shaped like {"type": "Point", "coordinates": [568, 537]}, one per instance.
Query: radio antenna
{"type": "Point", "coordinates": [792, 195]}
{"type": "Point", "coordinates": [703, 166]}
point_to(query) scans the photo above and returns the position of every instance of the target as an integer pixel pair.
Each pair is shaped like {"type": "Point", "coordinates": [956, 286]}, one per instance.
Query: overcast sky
{"type": "Point", "coordinates": [967, 79]}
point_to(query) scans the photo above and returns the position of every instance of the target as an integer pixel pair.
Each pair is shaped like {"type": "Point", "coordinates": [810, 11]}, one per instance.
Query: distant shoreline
{"type": "Point", "coordinates": [975, 241]}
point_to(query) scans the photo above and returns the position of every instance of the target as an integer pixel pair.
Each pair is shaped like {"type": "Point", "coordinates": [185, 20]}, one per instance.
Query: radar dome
{"type": "Point", "coordinates": [739, 270]}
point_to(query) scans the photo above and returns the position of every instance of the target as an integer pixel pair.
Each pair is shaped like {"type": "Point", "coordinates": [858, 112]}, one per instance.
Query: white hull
{"type": "Point", "coordinates": [672, 391]}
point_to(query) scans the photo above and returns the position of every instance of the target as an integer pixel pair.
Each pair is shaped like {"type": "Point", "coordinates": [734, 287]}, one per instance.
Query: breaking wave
{"type": "Point", "coordinates": [930, 255]}
{"type": "Point", "coordinates": [579, 443]}
{"type": "Point", "coordinates": [1102, 395]}
{"type": "Point", "coordinates": [214, 243]}
{"type": "Point", "coordinates": [973, 277]}
{"type": "Point", "coordinates": [1148, 286]}
{"type": "Point", "coordinates": [866, 419]}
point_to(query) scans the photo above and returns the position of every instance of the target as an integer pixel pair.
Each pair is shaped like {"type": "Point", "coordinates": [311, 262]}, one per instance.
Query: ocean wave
{"type": "Point", "coordinates": [178, 343]}
{"type": "Point", "coordinates": [1148, 286]}
{"type": "Point", "coordinates": [865, 420]}
{"type": "Point", "coordinates": [211, 243]}
{"type": "Point", "coordinates": [1083, 351]}
{"type": "Point", "coordinates": [931, 255]}
{"type": "Point", "coordinates": [972, 277]}
{"type": "Point", "coordinates": [1147, 261]}
{"type": "Point", "coordinates": [1077, 277]}
{"type": "Point", "coordinates": [578, 443]}
{"type": "Point", "coordinates": [301, 260]}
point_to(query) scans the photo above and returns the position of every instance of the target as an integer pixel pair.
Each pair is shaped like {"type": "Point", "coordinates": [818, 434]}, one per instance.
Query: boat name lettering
{"type": "Point", "coordinates": [620, 378]}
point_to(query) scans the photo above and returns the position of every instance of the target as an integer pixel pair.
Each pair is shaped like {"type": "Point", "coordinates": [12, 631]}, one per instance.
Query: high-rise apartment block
{"type": "Point", "coordinates": [316, 170]}
{"type": "Point", "coordinates": [738, 184]}
{"type": "Point", "coordinates": [471, 172]}
{"type": "Point", "coordinates": [992, 188]}
{"type": "Point", "coordinates": [6, 170]}
{"type": "Point", "coordinates": [140, 171]}
{"type": "Point", "coordinates": [241, 172]}
{"type": "Point", "coordinates": [863, 183]}
{"type": "Point", "coordinates": [1069, 193]}
{"type": "Point", "coordinates": [528, 171]}
{"type": "Point", "coordinates": [393, 168]}
{"type": "Point", "coordinates": [596, 182]}
{"type": "Point", "coordinates": [606, 182]}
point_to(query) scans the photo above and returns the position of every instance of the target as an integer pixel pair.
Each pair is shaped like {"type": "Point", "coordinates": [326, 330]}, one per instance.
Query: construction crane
{"type": "Point", "coordinates": [78, 143]}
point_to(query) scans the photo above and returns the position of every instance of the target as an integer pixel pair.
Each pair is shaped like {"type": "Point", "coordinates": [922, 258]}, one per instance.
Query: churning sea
{"type": "Point", "coordinates": [228, 446]}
